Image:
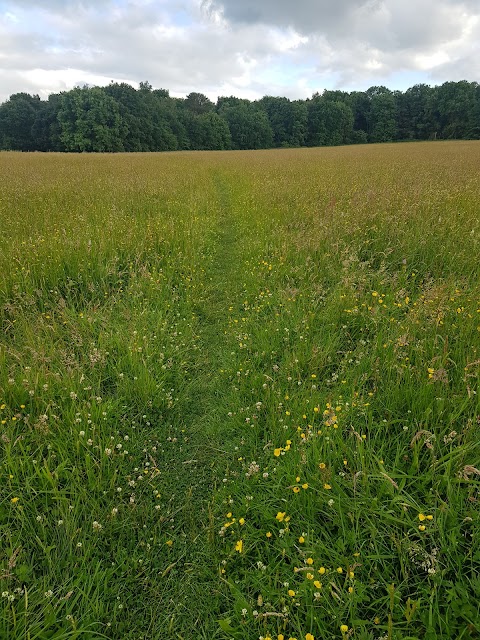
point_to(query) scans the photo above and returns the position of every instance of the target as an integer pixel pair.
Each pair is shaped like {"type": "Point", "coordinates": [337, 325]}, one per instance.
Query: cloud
{"type": "Point", "coordinates": [244, 47]}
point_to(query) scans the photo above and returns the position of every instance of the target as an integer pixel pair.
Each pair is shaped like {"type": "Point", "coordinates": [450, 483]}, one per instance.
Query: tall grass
{"type": "Point", "coordinates": [239, 394]}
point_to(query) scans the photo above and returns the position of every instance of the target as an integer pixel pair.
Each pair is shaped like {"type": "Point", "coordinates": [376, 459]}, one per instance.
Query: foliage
{"type": "Point", "coordinates": [119, 117]}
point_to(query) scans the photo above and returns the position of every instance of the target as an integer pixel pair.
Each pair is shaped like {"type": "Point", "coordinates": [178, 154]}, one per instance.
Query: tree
{"type": "Point", "coordinates": [382, 115]}
{"type": "Point", "coordinates": [90, 120]}
{"type": "Point", "coordinates": [330, 122]}
{"type": "Point", "coordinates": [248, 124]}
{"type": "Point", "coordinates": [17, 117]}
{"type": "Point", "coordinates": [198, 103]}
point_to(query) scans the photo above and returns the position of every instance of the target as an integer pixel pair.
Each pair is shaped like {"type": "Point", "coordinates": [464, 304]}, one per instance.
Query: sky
{"type": "Point", "coordinates": [246, 48]}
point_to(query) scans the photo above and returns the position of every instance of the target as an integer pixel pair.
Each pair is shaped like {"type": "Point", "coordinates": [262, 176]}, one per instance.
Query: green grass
{"type": "Point", "coordinates": [239, 394]}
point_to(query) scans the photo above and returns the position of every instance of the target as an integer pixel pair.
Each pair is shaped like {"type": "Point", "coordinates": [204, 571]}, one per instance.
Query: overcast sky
{"type": "Point", "coordinates": [247, 48]}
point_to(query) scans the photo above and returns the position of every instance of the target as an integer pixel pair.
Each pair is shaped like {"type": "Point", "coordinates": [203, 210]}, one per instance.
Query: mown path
{"type": "Point", "coordinates": [189, 601]}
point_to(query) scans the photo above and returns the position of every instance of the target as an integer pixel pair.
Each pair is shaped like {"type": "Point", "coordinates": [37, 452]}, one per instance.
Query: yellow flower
{"type": "Point", "coordinates": [169, 542]}
{"type": "Point", "coordinates": [277, 452]}
{"type": "Point", "coordinates": [301, 539]}
{"type": "Point", "coordinates": [344, 628]}
{"type": "Point", "coordinates": [239, 546]}
{"type": "Point", "coordinates": [429, 517]}
{"type": "Point", "coordinates": [305, 485]}
{"type": "Point", "coordinates": [296, 489]}
{"type": "Point", "coordinates": [339, 570]}
{"type": "Point", "coordinates": [14, 500]}
{"type": "Point", "coordinates": [322, 465]}
{"type": "Point", "coordinates": [280, 516]}
{"type": "Point", "coordinates": [309, 637]}
{"type": "Point", "coordinates": [241, 521]}
{"type": "Point", "coordinates": [309, 561]}
{"type": "Point", "coordinates": [421, 517]}
{"type": "Point", "coordinates": [280, 636]}
{"type": "Point", "coordinates": [322, 570]}
{"type": "Point", "coordinates": [291, 593]}
{"type": "Point", "coordinates": [351, 574]}
{"type": "Point", "coordinates": [422, 527]}
{"type": "Point", "coordinates": [350, 589]}
{"type": "Point", "coordinates": [318, 584]}
{"type": "Point", "coordinates": [309, 576]}
{"type": "Point", "coordinates": [327, 486]}
{"type": "Point", "coordinates": [268, 534]}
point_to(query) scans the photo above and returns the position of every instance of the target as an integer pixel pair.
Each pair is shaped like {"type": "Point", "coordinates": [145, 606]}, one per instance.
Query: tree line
{"type": "Point", "coordinates": [120, 118]}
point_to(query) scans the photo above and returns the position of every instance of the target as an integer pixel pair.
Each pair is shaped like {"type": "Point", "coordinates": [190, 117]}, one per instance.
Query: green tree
{"type": "Point", "coordinates": [90, 120]}
{"type": "Point", "coordinates": [17, 117]}
{"type": "Point", "coordinates": [382, 115]}
{"type": "Point", "coordinates": [248, 124]}
{"type": "Point", "coordinates": [330, 122]}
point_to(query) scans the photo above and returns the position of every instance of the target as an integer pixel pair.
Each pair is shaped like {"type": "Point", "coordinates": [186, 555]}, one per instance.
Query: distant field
{"type": "Point", "coordinates": [239, 394]}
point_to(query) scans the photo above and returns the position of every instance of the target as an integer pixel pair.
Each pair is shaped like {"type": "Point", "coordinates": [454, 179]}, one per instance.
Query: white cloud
{"type": "Point", "coordinates": [243, 47]}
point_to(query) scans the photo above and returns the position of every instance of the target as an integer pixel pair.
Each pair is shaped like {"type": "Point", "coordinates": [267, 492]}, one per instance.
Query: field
{"type": "Point", "coordinates": [239, 394]}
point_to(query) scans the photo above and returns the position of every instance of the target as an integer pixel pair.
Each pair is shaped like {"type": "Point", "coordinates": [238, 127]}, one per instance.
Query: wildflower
{"type": "Point", "coordinates": [96, 526]}
{"type": "Point", "coordinates": [339, 570]}
{"type": "Point", "coordinates": [291, 593]}
{"type": "Point", "coordinates": [48, 594]}
{"type": "Point", "coordinates": [309, 576]}
{"type": "Point", "coordinates": [280, 516]}
{"type": "Point", "coordinates": [429, 517]}
{"type": "Point", "coordinates": [296, 489]}
{"type": "Point", "coordinates": [344, 628]}
{"type": "Point", "coordinates": [305, 485]}
{"type": "Point", "coordinates": [421, 517]}
{"type": "Point", "coordinates": [327, 486]}
{"type": "Point", "coordinates": [422, 527]}
{"type": "Point", "coordinates": [317, 584]}
{"type": "Point", "coordinates": [14, 500]}
{"type": "Point", "coordinates": [241, 521]}
{"type": "Point", "coordinates": [301, 539]}
{"type": "Point", "coordinates": [310, 561]}
{"type": "Point", "coordinates": [268, 534]}
{"type": "Point", "coordinates": [277, 452]}
{"type": "Point", "coordinates": [169, 543]}
{"type": "Point", "coordinates": [322, 465]}
{"type": "Point", "coordinates": [239, 546]}
{"type": "Point", "coordinates": [322, 570]}
{"type": "Point", "coordinates": [309, 637]}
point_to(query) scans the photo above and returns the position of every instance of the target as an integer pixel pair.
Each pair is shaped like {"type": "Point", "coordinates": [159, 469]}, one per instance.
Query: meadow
{"type": "Point", "coordinates": [239, 394]}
